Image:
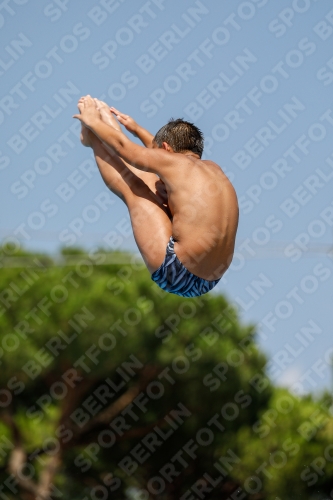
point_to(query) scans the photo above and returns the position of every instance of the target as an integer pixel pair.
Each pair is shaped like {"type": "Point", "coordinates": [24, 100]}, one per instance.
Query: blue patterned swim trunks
{"type": "Point", "coordinates": [173, 277]}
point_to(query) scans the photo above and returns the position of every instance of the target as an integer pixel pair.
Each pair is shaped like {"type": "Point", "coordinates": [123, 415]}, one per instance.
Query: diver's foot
{"type": "Point", "coordinates": [106, 115]}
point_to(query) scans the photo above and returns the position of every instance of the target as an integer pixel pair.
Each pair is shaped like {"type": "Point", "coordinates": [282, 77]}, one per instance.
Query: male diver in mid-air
{"type": "Point", "coordinates": [183, 210]}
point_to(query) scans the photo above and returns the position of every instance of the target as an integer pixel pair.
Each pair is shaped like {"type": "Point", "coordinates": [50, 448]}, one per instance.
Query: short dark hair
{"type": "Point", "coordinates": [181, 136]}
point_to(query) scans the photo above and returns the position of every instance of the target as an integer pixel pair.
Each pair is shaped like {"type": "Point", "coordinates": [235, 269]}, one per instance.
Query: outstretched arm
{"type": "Point", "coordinates": [134, 128]}
{"type": "Point", "coordinates": [149, 160]}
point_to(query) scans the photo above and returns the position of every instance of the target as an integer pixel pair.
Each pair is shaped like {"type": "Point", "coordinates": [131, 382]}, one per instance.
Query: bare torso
{"type": "Point", "coordinates": [204, 207]}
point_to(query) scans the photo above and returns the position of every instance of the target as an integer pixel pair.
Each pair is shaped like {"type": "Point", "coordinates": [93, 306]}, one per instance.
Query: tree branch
{"type": "Point", "coordinates": [46, 477]}
{"type": "Point", "coordinates": [18, 461]}
{"type": "Point", "coordinates": [113, 410]}
{"type": "Point", "coordinates": [104, 417]}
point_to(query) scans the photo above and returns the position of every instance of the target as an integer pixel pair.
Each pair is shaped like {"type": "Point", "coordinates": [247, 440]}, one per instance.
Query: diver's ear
{"type": "Point", "coordinates": [167, 147]}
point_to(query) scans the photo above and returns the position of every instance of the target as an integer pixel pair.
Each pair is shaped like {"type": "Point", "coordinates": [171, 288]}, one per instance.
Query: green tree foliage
{"type": "Point", "coordinates": [112, 388]}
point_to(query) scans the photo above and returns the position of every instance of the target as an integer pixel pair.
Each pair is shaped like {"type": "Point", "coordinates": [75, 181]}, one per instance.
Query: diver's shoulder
{"type": "Point", "coordinates": [210, 162]}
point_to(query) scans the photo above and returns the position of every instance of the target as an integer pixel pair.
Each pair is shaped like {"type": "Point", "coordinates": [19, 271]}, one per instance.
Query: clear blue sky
{"type": "Point", "coordinates": [257, 78]}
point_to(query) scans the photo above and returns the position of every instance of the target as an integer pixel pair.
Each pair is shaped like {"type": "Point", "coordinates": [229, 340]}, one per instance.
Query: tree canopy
{"type": "Point", "coordinates": [112, 388]}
